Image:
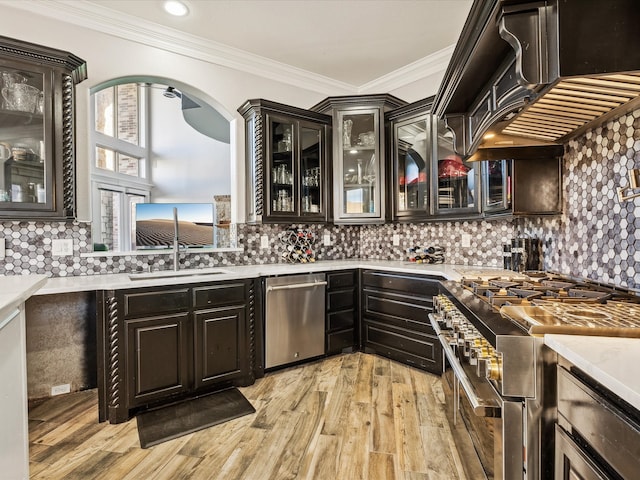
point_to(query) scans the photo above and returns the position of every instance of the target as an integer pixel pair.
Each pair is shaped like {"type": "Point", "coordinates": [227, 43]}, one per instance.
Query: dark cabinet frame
{"type": "Point", "coordinates": [258, 114]}
{"type": "Point", "coordinates": [61, 72]}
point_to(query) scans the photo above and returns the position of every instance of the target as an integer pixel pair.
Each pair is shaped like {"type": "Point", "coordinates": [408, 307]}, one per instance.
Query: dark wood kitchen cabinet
{"type": "Point", "coordinates": [287, 167]}
{"type": "Point", "coordinates": [163, 344]}
{"type": "Point", "coordinates": [395, 322]}
{"type": "Point", "coordinates": [37, 147]}
{"type": "Point", "coordinates": [529, 184]}
{"type": "Point", "coordinates": [219, 333]}
{"type": "Point", "coordinates": [359, 156]}
{"type": "Point", "coordinates": [342, 311]}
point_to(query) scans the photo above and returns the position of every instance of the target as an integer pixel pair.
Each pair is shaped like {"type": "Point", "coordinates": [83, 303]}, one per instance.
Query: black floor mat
{"type": "Point", "coordinates": [173, 421]}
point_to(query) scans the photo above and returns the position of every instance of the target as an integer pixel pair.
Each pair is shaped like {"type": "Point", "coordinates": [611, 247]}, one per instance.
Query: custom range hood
{"type": "Point", "coordinates": [539, 73]}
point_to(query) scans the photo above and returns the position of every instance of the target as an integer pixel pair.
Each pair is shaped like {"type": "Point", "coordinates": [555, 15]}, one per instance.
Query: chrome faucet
{"type": "Point", "coordinates": [176, 244]}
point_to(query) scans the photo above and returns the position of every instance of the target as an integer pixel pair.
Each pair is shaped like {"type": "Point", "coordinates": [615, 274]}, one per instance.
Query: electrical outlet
{"type": "Point", "coordinates": [61, 247]}
{"type": "Point", "coordinates": [396, 240]}
{"type": "Point", "coordinates": [2, 249]}
{"type": "Point", "coordinates": [466, 240]}
{"type": "Point", "coordinates": [264, 241]}
{"type": "Point", "coordinates": [60, 389]}
{"type": "Point", "coordinates": [326, 239]}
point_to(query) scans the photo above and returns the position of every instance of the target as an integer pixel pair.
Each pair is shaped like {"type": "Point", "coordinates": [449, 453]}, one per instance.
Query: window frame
{"type": "Point", "coordinates": [123, 184]}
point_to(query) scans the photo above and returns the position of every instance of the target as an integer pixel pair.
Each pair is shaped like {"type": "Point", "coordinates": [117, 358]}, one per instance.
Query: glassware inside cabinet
{"type": "Point", "coordinates": [456, 179]}
{"type": "Point", "coordinates": [22, 136]}
{"type": "Point", "coordinates": [282, 167]}
{"type": "Point", "coordinates": [360, 164]}
{"type": "Point", "coordinates": [412, 175]}
{"type": "Point", "coordinates": [311, 179]}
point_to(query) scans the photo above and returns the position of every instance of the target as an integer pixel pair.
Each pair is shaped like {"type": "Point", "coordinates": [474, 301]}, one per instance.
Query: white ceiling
{"type": "Point", "coordinates": [353, 42]}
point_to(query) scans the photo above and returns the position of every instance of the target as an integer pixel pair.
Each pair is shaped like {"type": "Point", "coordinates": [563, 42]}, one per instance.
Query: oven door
{"type": "Point", "coordinates": [493, 425]}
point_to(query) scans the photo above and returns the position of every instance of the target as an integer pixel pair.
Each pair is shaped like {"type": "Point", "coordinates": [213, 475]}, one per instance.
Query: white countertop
{"type": "Point", "coordinates": [17, 289]}
{"type": "Point", "coordinates": [122, 280]}
{"type": "Point", "coordinates": [611, 361]}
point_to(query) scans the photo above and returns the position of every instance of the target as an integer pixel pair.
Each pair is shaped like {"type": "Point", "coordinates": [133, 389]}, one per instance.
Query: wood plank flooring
{"type": "Point", "coordinates": [348, 417]}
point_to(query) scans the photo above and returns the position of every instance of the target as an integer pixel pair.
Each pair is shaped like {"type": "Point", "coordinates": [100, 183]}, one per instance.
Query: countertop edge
{"type": "Point", "coordinates": [606, 359]}
{"type": "Point", "coordinates": [19, 290]}
{"type": "Point", "coordinates": [114, 281]}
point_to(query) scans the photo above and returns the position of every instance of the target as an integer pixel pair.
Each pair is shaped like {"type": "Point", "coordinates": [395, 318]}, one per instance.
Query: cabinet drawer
{"type": "Point", "coordinates": [340, 300]}
{"type": "Point", "coordinates": [341, 320]}
{"type": "Point", "coordinates": [339, 341]}
{"type": "Point", "coordinates": [219, 295]}
{"type": "Point", "coordinates": [406, 346]}
{"type": "Point", "coordinates": [399, 310]}
{"type": "Point", "coordinates": [423, 286]}
{"type": "Point", "coordinates": [159, 301]}
{"type": "Point", "coordinates": [609, 430]}
{"type": "Point", "coordinates": [341, 279]}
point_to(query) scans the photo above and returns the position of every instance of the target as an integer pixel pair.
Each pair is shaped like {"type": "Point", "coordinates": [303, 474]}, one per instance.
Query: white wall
{"type": "Point", "coordinates": [110, 57]}
{"type": "Point", "coordinates": [186, 166]}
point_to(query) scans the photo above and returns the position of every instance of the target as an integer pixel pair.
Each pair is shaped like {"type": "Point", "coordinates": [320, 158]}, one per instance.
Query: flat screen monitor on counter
{"type": "Point", "coordinates": [155, 225]}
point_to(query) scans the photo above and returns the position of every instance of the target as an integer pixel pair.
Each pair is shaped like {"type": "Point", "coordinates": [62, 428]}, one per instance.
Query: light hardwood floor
{"type": "Point", "coordinates": [348, 417]}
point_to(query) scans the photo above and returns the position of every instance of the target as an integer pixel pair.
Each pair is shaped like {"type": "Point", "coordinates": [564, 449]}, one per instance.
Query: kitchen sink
{"type": "Point", "coordinates": [176, 274]}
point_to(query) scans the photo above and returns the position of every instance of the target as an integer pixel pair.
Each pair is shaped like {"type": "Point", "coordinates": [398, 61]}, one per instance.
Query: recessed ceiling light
{"type": "Point", "coordinates": [174, 7]}
{"type": "Point", "coordinates": [489, 135]}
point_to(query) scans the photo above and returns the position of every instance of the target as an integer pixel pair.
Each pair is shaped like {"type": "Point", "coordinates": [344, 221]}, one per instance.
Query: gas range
{"type": "Point", "coordinates": [543, 303]}
{"type": "Point", "coordinates": [491, 326]}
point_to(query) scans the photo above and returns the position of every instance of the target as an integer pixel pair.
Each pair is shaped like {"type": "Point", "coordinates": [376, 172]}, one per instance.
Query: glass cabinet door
{"type": "Point", "coordinates": [26, 172]}
{"type": "Point", "coordinates": [458, 187]}
{"type": "Point", "coordinates": [311, 174]}
{"type": "Point", "coordinates": [281, 161]}
{"type": "Point", "coordinates": [496, 183]}
{"type": "Point", "coordinates": [411, 172]}
{"type": "Point", "coordinates": [359, 170]}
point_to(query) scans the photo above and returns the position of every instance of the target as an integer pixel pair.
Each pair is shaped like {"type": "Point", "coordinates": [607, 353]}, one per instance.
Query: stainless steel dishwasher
{"type": "Point", "coordinates": [294, 322]}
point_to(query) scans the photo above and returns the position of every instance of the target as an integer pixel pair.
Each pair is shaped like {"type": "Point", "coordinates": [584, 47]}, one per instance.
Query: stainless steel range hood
{"type": "Point", "coordinates": [540, 73]}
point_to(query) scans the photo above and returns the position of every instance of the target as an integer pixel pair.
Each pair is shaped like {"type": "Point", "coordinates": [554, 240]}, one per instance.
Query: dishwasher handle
{"type": "Point", "coordinates": [293, 286]}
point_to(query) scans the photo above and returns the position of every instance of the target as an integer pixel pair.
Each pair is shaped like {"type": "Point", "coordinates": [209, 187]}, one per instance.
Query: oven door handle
{"type": "Point", "coordinates": [480, 407]}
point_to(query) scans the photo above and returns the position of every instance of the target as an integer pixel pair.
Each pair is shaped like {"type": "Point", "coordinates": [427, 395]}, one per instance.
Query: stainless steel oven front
{"type": "Point", "coordinates": [496, 374]}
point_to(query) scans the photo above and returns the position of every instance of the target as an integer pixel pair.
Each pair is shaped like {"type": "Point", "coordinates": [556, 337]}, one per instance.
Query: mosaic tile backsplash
{"type": "Point", "coordinates": [596, 237]}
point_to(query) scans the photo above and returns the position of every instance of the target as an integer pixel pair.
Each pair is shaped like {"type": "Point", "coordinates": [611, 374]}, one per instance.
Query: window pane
{"type": "Point", "coordinates": [128, 113]}
{"type": "Point", "coordinates": [105, 111]}
{"type": "Point", "coordinates": [128, 165]}
{"type": "Point", "coordinates": [110, 221]}
{"type": "Point", "coordinates": [105, 159]}
{"type": "Point", "coordinates": [133, 200]}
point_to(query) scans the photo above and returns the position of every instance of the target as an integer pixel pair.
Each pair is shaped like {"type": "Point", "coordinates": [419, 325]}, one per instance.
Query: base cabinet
{"type": "Point", "coordinates": [395, 322]}
{"type": "Point", "coordinates": [342, 312]}
{"type": "Point", "coordinates": [597, 434]}
{"type": "Point", "coordinates": [163, 344]}
{"type": "Point", "coordinates": [218, 338]}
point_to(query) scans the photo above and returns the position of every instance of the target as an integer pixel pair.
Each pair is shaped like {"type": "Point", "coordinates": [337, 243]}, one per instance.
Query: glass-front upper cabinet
{"type": "Point", "coordinates": [496, 185]}
{"type": "Point", "coordinates": [36, 130]}
{"type": "Point", "coordinates": [281, 191]}
{"type": "Point", "coordinates": [359, 188]}
{"type": "Point", "coordinates": [286, 163]}
{"type": "Point", "coordinates": [458, 185]}
{"type": "Point", "coordinates": [360, 174]}
{"type": "Point", "coordinates": [411, 177]}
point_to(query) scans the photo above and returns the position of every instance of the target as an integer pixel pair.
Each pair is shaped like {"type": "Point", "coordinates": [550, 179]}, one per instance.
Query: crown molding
{"type": "Point", "coordinates": [432, 64]}
{"type": "Point", "coordinates": [128, 27]}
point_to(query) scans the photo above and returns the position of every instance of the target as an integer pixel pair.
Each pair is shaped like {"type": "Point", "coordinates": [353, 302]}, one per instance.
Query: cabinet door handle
{"type": "Point", "coordinates": [294, 286]}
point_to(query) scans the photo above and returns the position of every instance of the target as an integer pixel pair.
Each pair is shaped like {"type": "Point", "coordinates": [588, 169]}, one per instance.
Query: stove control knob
{"type": "Point", "coordinates": [495, 369]}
